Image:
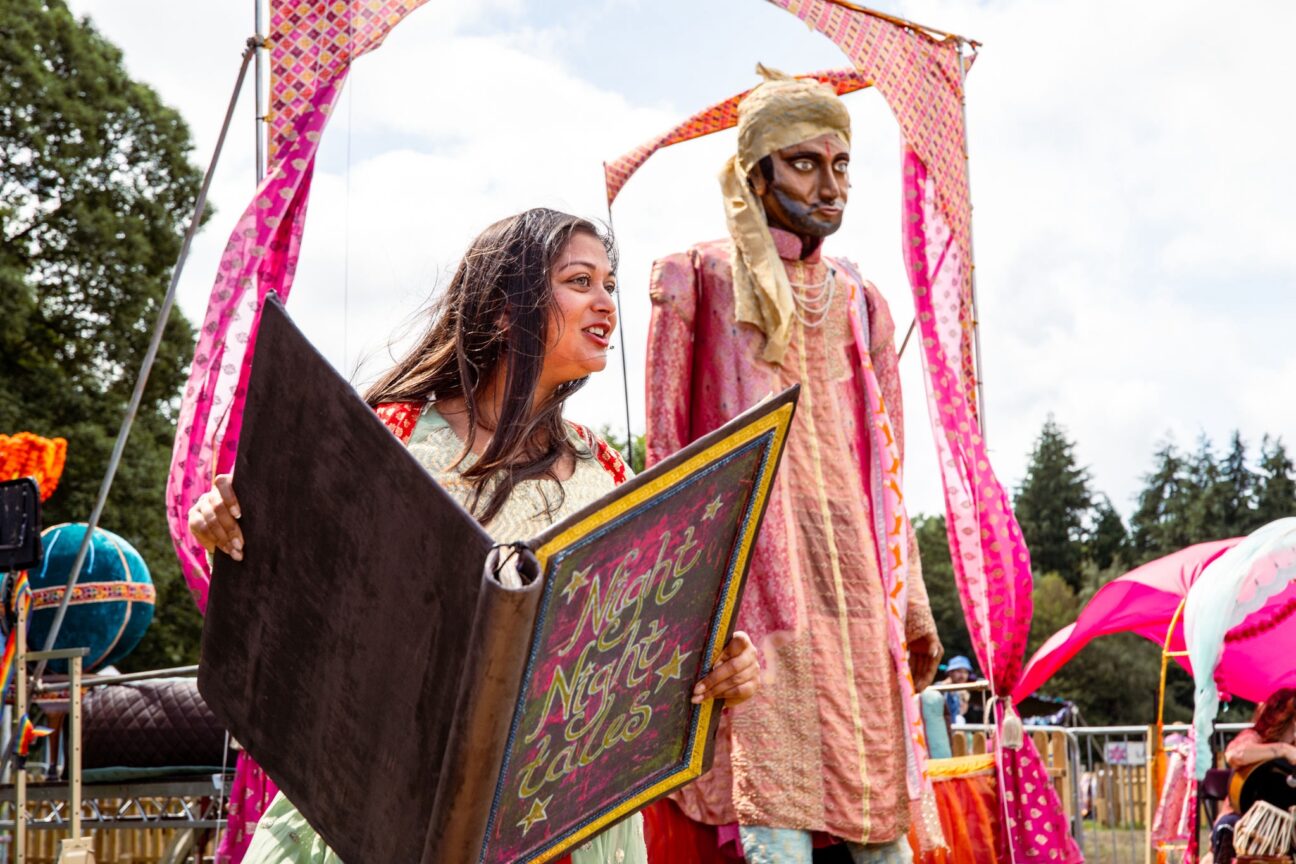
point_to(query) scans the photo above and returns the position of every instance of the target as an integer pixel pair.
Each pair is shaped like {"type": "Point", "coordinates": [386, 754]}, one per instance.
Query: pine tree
{"type": "Point", "coordinates": [1160, 524]}
{"type": "Point", "coordinates": [1240, 503]}
{"type": "Point", "coordinates": [1211, 500]}
{"type": "Point", "coordinates": [1276, 489]}
{"type": "Point", "coordinates": [1052, 503]}
{"type": "Point", "coordinates": [95, 189]}
{"type": "Point", "coordinates": [1107, 542]}
{"type": "Point", "coordinates": [938, 577]}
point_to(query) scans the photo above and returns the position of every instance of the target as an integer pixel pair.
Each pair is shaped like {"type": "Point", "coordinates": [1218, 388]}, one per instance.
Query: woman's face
{"type": "Point", "coordinates": [581, 325]}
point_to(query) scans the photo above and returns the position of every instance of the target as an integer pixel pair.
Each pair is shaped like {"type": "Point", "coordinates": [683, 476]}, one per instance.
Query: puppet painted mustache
{"type": "Point", "coordinates": [813, 218]}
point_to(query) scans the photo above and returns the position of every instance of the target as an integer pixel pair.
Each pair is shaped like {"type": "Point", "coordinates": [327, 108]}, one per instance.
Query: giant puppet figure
{"type": "Point", "coordinates": [844, 635]}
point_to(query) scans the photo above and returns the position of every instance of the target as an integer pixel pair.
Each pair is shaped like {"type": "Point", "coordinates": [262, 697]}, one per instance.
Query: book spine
{"type": "Point", "coordinates": [488, 691]}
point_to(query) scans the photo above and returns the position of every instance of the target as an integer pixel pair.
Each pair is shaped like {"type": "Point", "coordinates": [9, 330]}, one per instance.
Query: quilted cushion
{"type": "Point", "coordinates": [148, 724]}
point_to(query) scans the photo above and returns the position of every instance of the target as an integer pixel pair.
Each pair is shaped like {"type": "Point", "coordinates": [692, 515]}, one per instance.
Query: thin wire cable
{"type": "Point", "coordinates": [625, 370]}
{"type": "Point", "coordinates": [346, 206]}
{"type": "Point", "coordinates": [159, 329]}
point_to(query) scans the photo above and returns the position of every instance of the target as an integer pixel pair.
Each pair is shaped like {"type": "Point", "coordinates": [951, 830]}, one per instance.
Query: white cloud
{"type": "Point", "coordinates": [1131, 171]}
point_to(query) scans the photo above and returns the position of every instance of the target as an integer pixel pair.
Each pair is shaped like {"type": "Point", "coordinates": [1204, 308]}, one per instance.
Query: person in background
{"type": "Point", "coordinates": [958, 671]}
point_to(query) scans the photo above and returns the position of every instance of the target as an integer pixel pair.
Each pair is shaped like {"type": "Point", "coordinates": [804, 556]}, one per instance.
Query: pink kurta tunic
{"type": "Point", "coordinates": [821, 747]}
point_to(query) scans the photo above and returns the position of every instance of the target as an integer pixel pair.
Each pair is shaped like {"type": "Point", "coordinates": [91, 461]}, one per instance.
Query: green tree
{"type": "Point", "coordinates": [1276, 488]}
{"type": "Point", "coordinates": [1161, 522]}
{"type": "Point", "coordinates": [1210, 502]}
{"type": "Point", "coordinates": [1107, 542]}
{"type": "Point", "coordinates": [1052, 503]}
{"type": "Point", "coordinates": [1239, 482]}
{"type": "Point", "coordinates": [938, 577]}
{"type": "Point", "coordinates": [95, 190]}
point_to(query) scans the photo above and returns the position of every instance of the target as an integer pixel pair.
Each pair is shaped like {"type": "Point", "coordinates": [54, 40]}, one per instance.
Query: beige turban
{"type": "Point", "coordinates": [778, 113]}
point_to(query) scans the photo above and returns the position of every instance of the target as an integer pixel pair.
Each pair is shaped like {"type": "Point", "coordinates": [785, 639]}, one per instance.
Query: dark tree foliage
{"type": "Point", "coordinates": [1107, 543]}
{"type": "Point", "coordinates": [1052, 504]}
{"type": "Point", "coordinates": [1276, 488]}
{"type": "Point", "coordinates": [1162, 520]}
{"type": "Point", "coordinates": [95, 190]}
{"type": "Point", "coordinates": [938, 576]}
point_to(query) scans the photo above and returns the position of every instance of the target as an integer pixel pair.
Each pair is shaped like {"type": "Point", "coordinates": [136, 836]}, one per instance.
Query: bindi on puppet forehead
{"type": "Point", "coordinates": [830, 146]}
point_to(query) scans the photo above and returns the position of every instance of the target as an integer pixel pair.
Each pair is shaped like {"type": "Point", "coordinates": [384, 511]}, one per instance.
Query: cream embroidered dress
{"type": "Point", "coordinates": [283, 835]}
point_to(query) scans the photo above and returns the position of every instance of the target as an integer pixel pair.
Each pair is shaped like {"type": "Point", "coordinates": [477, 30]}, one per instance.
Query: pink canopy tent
{"type": "Point", "coordinates": [1144, 601]}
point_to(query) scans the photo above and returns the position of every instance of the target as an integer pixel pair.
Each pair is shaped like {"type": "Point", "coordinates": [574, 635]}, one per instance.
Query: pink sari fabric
{"type": "Point", "coordinates": [991, 562]}
{"type": "Point", "coordinates": [313, 46]}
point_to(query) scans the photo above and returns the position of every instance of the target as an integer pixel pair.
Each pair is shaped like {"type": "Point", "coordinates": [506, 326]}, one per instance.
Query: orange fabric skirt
{"type": "Point", "coordinates": [967, 798]}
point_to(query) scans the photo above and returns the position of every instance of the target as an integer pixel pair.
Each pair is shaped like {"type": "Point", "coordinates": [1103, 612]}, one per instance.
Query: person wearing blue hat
{"type": "Point", "coordinates": [957, 671]}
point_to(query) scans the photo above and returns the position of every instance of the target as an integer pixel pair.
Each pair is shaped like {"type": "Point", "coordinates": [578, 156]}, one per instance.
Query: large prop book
{"type": "Point", "coordinates": [412, 707]}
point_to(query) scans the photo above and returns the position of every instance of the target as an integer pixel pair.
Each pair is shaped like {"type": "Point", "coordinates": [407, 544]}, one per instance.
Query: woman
{"type": "Point", "coordinates": [478, 401]}
{"type": "Point", "coordinates": [1271, 736]}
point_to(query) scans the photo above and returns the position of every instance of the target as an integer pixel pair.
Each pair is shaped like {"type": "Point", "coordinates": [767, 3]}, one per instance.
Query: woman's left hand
{"type": "Point", "coordinates": [736, 678]}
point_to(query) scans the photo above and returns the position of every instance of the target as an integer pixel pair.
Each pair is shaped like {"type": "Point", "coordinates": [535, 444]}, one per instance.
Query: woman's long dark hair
{"type": "Point", "coordinates": [496, 309]}
{"type": "Point", "coordinates": [1274, 717]}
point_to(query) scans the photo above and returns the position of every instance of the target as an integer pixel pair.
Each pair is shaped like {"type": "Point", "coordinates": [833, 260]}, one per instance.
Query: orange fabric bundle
{"type": "Point", "coordinates": [29, 455]}
{"type": "Point", "coordinates": [967, 799]}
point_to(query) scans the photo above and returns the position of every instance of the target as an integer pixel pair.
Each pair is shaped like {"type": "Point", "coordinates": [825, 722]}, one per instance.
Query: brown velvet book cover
{"type": "Point", "coordinates": [412, 707]}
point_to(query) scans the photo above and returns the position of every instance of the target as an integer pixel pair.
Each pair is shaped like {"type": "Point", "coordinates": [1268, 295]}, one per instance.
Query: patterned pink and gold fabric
{"type": "Point", "coordinates": [312, 45]}
{"type": "Point", "coordinates": [312, 42]}
{"type": "Point", "coordinates": [829, 744]}
{"type": "Point", "coordinates": [717, 118]}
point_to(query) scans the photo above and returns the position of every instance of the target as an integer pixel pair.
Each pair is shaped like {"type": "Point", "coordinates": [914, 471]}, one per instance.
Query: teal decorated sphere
{"type": "Point", "coordinates": [112, 603]}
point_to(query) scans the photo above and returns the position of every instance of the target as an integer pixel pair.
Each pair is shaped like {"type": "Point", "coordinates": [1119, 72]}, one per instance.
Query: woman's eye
{"type": "Point", "coordinates": [582, 280]}
{"type": "Point", "coordinates": [610, 287]}
{"type": "Point", "coordinates": [803, 165]}
{"type": "Point", "coordinates": [841, 167]}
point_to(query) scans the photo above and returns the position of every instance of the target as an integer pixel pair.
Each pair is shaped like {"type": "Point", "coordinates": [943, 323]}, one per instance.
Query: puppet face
{"type": "Point", "coordinates": [807, 193]}
{"type": "Point", "coordinates": [584, 313]}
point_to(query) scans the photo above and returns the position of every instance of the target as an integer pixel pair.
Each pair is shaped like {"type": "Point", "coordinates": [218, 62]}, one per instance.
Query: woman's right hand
{"type": "Point", "coordinates": [213, 519]}
{"type": "Point", "coordinates": [1288, 752]}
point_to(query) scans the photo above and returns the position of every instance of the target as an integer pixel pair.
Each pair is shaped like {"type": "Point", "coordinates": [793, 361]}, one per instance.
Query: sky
{"type": "Point", "coordinates": [1131, 167]}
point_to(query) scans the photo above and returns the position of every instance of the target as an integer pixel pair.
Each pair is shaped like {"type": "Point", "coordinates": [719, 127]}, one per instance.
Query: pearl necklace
{"type": "Point", "coordinates": [813, 301]}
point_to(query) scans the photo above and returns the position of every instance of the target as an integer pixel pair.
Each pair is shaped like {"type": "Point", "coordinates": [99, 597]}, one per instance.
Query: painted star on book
{"type": "Point", "coordinates": [578, 581]}
{"type": "Point", "coordinates": [535, 814]}
{"type": "Point", "coordinates": [712, 509]}
{"type": "Point", "coordinates": [672, 668]}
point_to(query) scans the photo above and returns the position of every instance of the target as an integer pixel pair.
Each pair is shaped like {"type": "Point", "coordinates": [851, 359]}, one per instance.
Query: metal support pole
{"type": "Point", "coordinates": [262, 62]}
{"type": "Point", "coordinates": [20, 711]}
{"type": "Point", "coordinates": [259, 75]}
{"type": "Point", "coordinates": [164, 314]}
{"type": "Point", "coordinates": [976, 318]}
{"type": "Point", "coordinates": [74, 744]}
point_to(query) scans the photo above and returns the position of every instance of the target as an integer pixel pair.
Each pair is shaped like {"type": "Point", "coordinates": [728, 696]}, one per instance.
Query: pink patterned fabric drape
{"type": "Point", "coordinates": [312, 45]}
{"type": "Point", "coordinates": [991, 562]}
